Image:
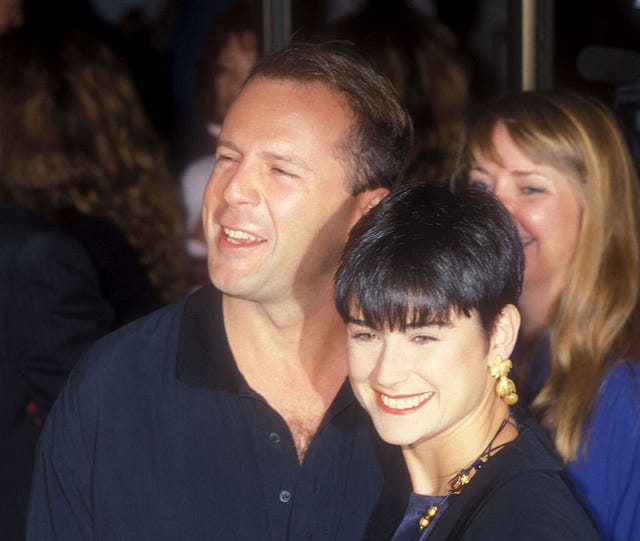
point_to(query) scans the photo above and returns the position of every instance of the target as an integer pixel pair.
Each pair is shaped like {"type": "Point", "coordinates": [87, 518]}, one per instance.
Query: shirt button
{"type": "Point", "coordinates": [285, 496]}
{"type": "Point", "coordinates": [274, 437]}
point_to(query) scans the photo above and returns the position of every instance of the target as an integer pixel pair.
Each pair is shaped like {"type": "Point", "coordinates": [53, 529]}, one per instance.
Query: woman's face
{"type": "Point", "coordinates": [547, 213]}
{"type": "Point", "coordinates": [422, 384]}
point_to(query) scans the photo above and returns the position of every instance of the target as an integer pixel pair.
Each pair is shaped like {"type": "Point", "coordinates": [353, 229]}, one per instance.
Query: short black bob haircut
{"type": "Point", "coordinates": [424, 254]}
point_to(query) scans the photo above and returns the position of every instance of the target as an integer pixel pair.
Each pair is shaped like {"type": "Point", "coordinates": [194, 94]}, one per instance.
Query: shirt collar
{"type": "Point", "coordinates": [204, 356]}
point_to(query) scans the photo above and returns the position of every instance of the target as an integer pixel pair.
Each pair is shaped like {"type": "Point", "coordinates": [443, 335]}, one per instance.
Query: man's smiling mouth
{"type": "Point", "coordinates": [235, 236]}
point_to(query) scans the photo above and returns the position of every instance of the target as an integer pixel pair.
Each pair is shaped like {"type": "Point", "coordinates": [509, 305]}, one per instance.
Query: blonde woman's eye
{"type": "Point", "coordinates": [479, 184]}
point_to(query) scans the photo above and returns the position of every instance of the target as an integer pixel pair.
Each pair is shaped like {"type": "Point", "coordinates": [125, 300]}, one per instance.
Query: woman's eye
{"type": "Point", "coordinates": [531, 190]}
{"type": "Point", "coordinates": [478, 183]}
{"type": "Point", "coordinates": [422, 339]}
{"type": "Point", "coordinates": [363, 336]}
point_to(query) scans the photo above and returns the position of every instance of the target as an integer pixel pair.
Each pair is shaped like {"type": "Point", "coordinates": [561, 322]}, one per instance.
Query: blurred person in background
{"type": "Point", "coordinates": [559, 163]}
{"type": "Point", "coordinates": [78, 150]}
{"type": "Point", "coordinates": [11, 15]}
{"type": "Point", "coordinates": [420, 56]}
{"type": "Point", "coordinates": [230, 54]}
{"type": "Point", "coordinates": [92, 232]}
{"type": "Point", "coordinates": [52, 307]}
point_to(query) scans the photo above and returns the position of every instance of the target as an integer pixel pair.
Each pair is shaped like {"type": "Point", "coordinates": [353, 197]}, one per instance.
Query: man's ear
{"type": "Point", "coordinates": [371, 198]}
{"type": "Point", "coordinates": [505, 332]}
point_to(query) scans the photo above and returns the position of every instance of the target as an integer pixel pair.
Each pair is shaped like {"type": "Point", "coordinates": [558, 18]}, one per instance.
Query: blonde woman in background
{"type": "Point", "coordinates": [559, 163]}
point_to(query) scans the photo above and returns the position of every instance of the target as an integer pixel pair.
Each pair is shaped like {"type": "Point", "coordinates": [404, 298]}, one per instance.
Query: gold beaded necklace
{"type": "Point", "coordinates": [462, 478]}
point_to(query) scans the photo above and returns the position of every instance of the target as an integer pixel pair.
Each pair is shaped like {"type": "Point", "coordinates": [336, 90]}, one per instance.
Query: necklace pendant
{"type": "Point", "coordinates": [459, 481]}
{"type": "Point", "coordinates": [426, 519]}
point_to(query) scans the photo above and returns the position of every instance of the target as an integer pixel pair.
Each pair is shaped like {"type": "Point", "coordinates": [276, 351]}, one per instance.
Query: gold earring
{"type": "Point", "coordinates": [505, 388]}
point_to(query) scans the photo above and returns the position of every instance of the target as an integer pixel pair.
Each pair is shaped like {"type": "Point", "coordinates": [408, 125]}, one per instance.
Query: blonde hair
{"type": "Point", "coordinates": [76, 139]}
{"type": "Point", "coordinates": [593, 319]}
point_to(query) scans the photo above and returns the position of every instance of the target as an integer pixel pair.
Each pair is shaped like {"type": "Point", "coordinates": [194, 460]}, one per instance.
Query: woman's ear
{"type": "Point", "coordinates": [505, 332]}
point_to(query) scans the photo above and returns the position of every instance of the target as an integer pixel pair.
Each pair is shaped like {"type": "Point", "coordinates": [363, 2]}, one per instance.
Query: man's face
{"type": "Point", "coordinates": [10, 15]}
{"type": "Point", "coordinates": [276, 210]}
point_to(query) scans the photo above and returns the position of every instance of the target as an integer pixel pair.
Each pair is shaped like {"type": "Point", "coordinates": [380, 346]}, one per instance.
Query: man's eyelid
{"type": "Point", "coordinates": [226, 156]}
{"type": "Point", "coordinates": [286, 171]}
{"type": "Point", "coordinates": [287, 161]}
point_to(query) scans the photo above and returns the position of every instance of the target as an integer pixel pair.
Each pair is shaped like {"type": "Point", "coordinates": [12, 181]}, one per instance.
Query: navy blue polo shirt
{"type": "Point", "coordinates": [158, 436]}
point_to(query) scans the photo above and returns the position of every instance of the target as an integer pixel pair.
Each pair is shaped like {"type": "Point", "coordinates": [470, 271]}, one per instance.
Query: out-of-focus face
{"type": "Point", "coordinates": [424, 384]}
{"type": "Point", "coordinates": [543, 203]}
{"type": "Point", "coordinates": [276, 208]}
{"type": "Point", "coordinates": [10, 15]}
{"type": "Point", "coordinates": [233, 65]}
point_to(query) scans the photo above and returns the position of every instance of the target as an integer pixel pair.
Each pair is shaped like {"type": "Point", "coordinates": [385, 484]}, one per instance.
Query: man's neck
{"type": "Point", "coordinates": [296, 359]}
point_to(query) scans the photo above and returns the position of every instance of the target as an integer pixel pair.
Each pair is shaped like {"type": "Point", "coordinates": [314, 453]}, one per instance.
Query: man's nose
{"type": "Point", "coordinates": [241, 185]}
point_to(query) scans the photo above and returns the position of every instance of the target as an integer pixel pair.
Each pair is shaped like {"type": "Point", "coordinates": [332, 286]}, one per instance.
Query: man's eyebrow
{"type": "Point", "coordinates": [228, 144]}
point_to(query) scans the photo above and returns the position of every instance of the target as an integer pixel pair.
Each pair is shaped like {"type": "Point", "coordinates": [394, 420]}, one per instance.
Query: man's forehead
{"type": "Point", "coordinates": [287, 109]}
{"type": "Point", "coordinates": [271, 87]}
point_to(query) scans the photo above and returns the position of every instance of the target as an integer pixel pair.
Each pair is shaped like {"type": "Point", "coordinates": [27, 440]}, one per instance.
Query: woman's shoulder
{"type": "Point", "coordinates": [623, 376]}
{"type": "Point", "coordinates": [616, 413]}
{"type": "Point", "coordinates": [524, 492]}
{"type": "Point", "coordinates": [618, 398]}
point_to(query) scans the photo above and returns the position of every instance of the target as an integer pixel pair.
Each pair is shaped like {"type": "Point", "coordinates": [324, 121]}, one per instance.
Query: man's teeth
{"type": "Point", "coordinates": [404, 403]}
{"type": "Point", "coordinates": [233, 234]}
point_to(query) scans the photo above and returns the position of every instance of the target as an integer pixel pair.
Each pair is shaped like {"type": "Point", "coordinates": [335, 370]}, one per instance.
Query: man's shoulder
{"type": "Point", "coordinates": [146, 345]}
{"type": "Point", "coordinates": [134, 346]}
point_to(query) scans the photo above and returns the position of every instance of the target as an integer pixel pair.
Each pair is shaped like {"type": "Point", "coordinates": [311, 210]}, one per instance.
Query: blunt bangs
{"type": "Point", "coordinates": [424, 254]}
